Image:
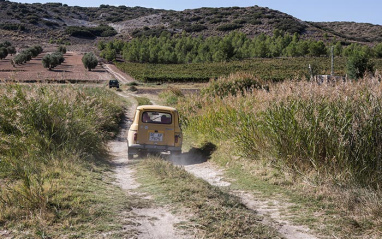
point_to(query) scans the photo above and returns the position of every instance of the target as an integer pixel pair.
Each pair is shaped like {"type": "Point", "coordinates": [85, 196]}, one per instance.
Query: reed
{"type": "Point", "coordinates": [42, 127]}
{"type": "Point", "coordinates": [333, 129]}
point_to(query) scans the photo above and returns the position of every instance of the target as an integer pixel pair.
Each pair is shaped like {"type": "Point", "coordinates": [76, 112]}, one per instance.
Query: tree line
{"type": "Point", "coordinates": [183, 48]}
{"type": "Point", "coordinates": [49, 61]}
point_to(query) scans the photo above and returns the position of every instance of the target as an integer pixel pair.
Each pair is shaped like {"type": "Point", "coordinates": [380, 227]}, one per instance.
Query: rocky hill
{"type": "Point", "coordinates": [72, 24]}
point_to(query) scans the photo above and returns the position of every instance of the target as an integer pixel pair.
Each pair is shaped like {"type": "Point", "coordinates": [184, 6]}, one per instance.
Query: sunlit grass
{"type": "Point", "coordinates": [52, 152]}
{"type": "Point", "coordinates": [323, 139]}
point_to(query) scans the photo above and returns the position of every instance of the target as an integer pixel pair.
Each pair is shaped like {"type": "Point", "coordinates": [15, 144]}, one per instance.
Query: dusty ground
{"type": "Point", "coordinates": [71, 70]}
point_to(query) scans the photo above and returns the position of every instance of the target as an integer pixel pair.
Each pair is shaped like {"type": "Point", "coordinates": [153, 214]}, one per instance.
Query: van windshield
{"type": "Point", "coordinates": [155, 117]}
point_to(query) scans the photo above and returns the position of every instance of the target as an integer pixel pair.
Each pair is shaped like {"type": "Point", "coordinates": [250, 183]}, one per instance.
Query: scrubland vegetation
{"type": "Point", "coordinates": [325, 137]}
{"type": "Point", "coordinates": [51, 139]}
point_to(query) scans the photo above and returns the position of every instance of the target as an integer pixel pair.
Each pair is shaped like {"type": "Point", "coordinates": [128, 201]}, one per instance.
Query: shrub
{"type": "Point", "coordinates": [232, 85]}
{"type": "Point", "coordinates": [229, 27]}
{"type": "Point", "coordinates": [90, 61]}
{"type": "Point", "coordinates": [290, 25]}
{"type": "Point", "coordinates": [195, 28]}
{"type": "Point", "coordinates": [52, 60]}
{"type": "Point", "coordinates": [358, 64]}
{"type": "Point", "coordinates": [12, 27]}
{"type": "Point", "coordinates": [3, 52]}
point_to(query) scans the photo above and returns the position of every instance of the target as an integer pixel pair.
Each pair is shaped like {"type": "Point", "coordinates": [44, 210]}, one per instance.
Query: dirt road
{"type": "Point", "coordinates": [149, 221]}
{"type": "Point", "coordinates": [158, 222]}
{"type": "Point", "coordinates": [163, 225]}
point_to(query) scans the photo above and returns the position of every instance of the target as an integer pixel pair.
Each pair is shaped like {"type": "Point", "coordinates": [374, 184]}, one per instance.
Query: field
{"type": "Point", "coordinates": [276, 69]}
{"type": "Point", "coordinates": [72, 70]}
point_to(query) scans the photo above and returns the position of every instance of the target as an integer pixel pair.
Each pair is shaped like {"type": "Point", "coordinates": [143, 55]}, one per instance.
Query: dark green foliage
{"type": "Point", "coordinates": [154, 32]}
{"type": "Point", "coordinates": [91, 32]}
{"type": "Point", "coordinates": [52, 60]}
{"type": "Point", "coordinates": [11, 50]}
{"type": "Point", "coordinates": [109, 54]}
{"type": "Point", "coordinates": [223, 87]}
{"type": "Point", "coordinates": [62, 49]}
{"type": "Point", "coordinates": [358, 64]}
{"type": "Point", "coordinates": [183, 48]}
{"type": "Point", "coordinates": [51, 24]}
{"type": "Point", "coordinates": [27, 55]}
{"type": "Point", "coordinates": [378, 50]}
{"type": "Point", "coordinates": [5, 44]}
{"type": "Point", "coordinates": [195, 28]}
{"type": "Point", "coordinates": [290, 26]}
{"type": "Point", "coordinates": [229, 27]}
{"type": "Point", "coordinates": [20, 59]}
{"type": "Point", "coordinates": [317, 49]}
{"type": "Point", "coordinates": [3, 53]}
{"type": "Point", "coordinates": [90, 61]}
{"type": "Point", "coordinates": [12, 27]}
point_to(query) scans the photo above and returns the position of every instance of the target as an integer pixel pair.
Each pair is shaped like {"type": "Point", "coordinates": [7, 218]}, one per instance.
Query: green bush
{"type": "Point", "coordinates": [195, 28]}
{"type": "Point", "coordinates": [229, 27]}
{"type": "Point", "coordinates": [12, 27]}
{"type": "Point", "coordinates": [91, 32]}
{"type": "Point", "coordinates": [232, 85]}
{"type": "Point", "coordinates": [358, 64]}
{"type": "Point", "coordinates": [90, 61]}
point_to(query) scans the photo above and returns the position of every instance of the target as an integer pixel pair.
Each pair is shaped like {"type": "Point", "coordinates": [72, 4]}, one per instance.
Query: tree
{"type": "Point", "coordinates": [109, 53]}
{"type": "Point", "coordinates": [62, 49]}
{"type": "Point", "coordinates": [52, 60]}
{"type": "Point", "coordinates": [358, 64]}
{"type": "Point", "coordinates": [317, 48]}
{"type": "Point", "coordinates": [11, 50]}
{"type": "Point", "coordinates": [378, 50]}
{"type": "Point", "coordinates": [21, 58]}
{"type": "Point", "coordinates": [3, 53]}
{"type": "Point", "coordinates": [90, 61]}
{"type": "Point", "coordinates": [47, 61]}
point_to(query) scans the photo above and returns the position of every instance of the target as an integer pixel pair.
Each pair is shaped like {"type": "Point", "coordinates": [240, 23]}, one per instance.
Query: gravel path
{"type": "Point", "coordinates": [163, 224]}
{"type": "Point", "coordinates": [150, 222]}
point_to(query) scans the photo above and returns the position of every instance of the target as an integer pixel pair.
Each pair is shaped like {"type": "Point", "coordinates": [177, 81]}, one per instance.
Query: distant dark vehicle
{"type": "Point", "coordinates": [113, 83]}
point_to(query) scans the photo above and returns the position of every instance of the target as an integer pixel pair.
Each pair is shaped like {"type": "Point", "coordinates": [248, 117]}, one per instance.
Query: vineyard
{"type": "Point", "coordinates": [275, 69]}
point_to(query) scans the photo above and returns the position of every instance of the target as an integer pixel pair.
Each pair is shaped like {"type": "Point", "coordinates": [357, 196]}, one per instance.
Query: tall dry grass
{"type": "Point", "coordinates": [44, 132]}
{"type": "Point", "coordinates": [334, 129]}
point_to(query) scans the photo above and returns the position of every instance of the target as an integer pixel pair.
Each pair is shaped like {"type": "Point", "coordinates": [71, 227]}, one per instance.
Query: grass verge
{"type": "Point", "coordinates": [336, 211]}
{"type": "Point", "coordinates": [215, 213]}
{"type": "Point", "coordinates": [313, 145]}
{"type": "Point", "coordinates": [53, 167]}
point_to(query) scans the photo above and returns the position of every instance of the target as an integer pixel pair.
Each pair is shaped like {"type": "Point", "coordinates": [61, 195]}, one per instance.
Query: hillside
{"type": "Point", "coordinates": [70, 24]}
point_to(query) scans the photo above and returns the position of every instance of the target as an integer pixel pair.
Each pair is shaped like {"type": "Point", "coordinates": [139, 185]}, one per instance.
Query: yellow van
{"type": "Point", "coordinates": [154, 129]}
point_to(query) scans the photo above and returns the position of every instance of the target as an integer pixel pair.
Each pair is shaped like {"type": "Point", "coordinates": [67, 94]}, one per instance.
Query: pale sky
{"type": "Point", "coordinates": [365, 11]}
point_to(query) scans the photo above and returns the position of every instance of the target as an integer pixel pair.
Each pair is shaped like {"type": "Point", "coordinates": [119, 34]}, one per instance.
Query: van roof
{"type": "Point", "coordinates": [155, 107]}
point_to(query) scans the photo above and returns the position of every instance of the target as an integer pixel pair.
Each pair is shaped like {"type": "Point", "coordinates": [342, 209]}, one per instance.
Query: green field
{"type": "Point", "coordinates": [276, 69]}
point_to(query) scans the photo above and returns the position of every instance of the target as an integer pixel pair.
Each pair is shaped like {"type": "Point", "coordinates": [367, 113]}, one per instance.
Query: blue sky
{"type": "Point", "coordinates": [366, 11]}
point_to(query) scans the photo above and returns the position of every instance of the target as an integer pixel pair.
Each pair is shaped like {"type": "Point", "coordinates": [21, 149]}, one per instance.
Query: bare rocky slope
{"type": "Point", "coordinates": [51, 21]}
